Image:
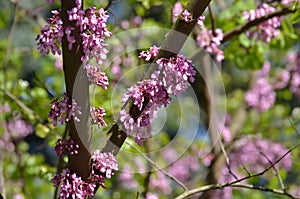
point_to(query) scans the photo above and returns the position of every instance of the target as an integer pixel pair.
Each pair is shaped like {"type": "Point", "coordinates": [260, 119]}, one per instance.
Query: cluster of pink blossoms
{"type": "Point", "coordinates": [210, 41]}
{"type": "Point", "coordinates": [267, 30]}
{"type": "Point", "coordinates": [66, 145]}
{"type": "Point", "coordinates": [72, 186]}
{"type": "Point", "coordinates": [96, 76]}
{"type": "Point", "coordinates": [293, 68]}
{"type": "Point", "coordinates": [97, 115]}
{"type": "Point", "coordinates": [262, 96]}
{"type": "Point", "coordinates": [63, 109]}
{"type": "Point", "coordinates": [92, 24]}
{"type": "Point", "coordinates": [51, 35]}
{"type": "Point", "coordinates": [172, 77]}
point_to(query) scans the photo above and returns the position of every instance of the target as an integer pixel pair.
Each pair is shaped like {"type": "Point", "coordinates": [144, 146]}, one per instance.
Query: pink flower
{"type": "Point", "coordinates": [150, 54]}
{"type": "Point", "coordinates": [72, 186]}
{"type": "Point", "coordinates": [282, 79]}
{"type": "Point", "coordinates": [262, 96]}
{"type": "Point", "coordinates": [187, 16]}
{"type": "Point", "coordinates": [64, 109]}
{"type": "Point", "coordinates": [104, 163]}
{"type": "Point", "coordinates": [177, 9]}
{"type": "Point", "coordinates": [96, 76]}
{"type": "Point", "coordinates": [267, 30]}
{"type": "Point", "coordinates": [97, 116]}
{"type": "Point", "coordinates": [200, 20]}
{"type": "Point", "coordinates": [51, 35]}
{"type": "Point", "coordinates": [211, 41]}
{"type": "Point", "coordinates": [62, 146]}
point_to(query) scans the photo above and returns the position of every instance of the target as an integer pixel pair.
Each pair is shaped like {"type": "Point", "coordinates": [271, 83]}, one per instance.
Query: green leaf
{"type": "Point", "coordinates": [288, 29]}
{"type": "Point", "coordinates": [295, 17]}
{"type": "Point", "coordinates": [41, 130]}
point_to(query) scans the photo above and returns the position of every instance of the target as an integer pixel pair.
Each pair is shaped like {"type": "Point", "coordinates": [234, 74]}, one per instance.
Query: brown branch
{"type": "Point", "coordinates": [77, 88]}
{"type": "Point", "coordinates": [213, 21]}
{"type": "Point", "coordinates": [255, 22]}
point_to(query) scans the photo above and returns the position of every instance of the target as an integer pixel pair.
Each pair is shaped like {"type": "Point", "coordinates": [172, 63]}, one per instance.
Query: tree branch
{"type": "Point", "coordinates": [255, 22]}
{"type": "Point", "coordinates": [79, 132]}
{"type": "Point", "coordinates": [237, 183]}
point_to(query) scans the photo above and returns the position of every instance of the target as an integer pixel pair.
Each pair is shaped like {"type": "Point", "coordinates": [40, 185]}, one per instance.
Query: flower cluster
{"type": "Point", "coordinates": [72, 186]}
{"type": "Point", "coordinates": [15, 129]}
{"type": "Point", "coordinates": [62, 146]}
{"type": "Point", "coordinates": [148, 96]}
{"type": "Point", "coordinates": [184, 14]}
{"type": "Point", "coordinates": [63, 110]}
{"type": "Point", "coordinates": [97, 115]}
{"type": "Point", "coordinates": [51, 35]}
{"type": "Point", "coordinates": [92, 24]}
{"type": "Point", "coordinates": [293, 66]}
{"type": "Point", "coordinates": [262, 96]}
{"type": "Point", "coordinates": [175, 74]}
{"type": "Point", "coordinates": [267, 30]}
{"type": "Point", "coordinates": [104, 163]}
{"type": "Point", "coordinates": [211, 40]}
{"type": "Point", "coordinates": [150, 54]}
{"type": "Point", "coordinates": [172, 77]}
{"type": "Point", "coordinates": [96, 76]}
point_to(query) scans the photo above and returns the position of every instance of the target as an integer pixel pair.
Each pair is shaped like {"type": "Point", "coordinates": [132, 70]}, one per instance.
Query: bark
{"type": "Point", "coordinates": [79, 131]}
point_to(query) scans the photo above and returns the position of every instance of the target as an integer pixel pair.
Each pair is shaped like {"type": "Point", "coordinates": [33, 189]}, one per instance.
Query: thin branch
{"type": "Point", "coordinates": [213, 21]}
{"type": "Point", "coordinates": [155, 166]}
{"type": "Point", "coordinates": [256, 22]}
{"type": "Point", "coordinates": [246, 170]}
{"type": "Point", "coordinates": [293, 126]}
{"type": "Point", "coordinates": [275, 170]}
{"type": "Point", "coordinates": [237, 183]}
{"type": "Point", "coordinates": [9, 44]}
{"type": "Point", "coordinates": [22, 105]}
{"type": "Point", "coordinates": [226, 158]}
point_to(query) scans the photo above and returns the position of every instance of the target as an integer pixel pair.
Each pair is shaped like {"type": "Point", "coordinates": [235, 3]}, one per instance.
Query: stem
{"type": "Point", "coordinates": [255, 22]}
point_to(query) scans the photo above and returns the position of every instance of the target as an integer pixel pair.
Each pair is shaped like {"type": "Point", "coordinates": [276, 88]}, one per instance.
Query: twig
{"type": "Point", "coordinates": [255, 22]}
{"type": "Point", "coordinates": [213, 21]}
{"type": "Point", "coordinates": [237, 183]}
{"type": "Point", "coordinates": [9, 41]}
{"type": "Point", "coordinates": [275, 170]}
{"type": "Point", "coordinates": [294, 127]}
{"type": "Point", "coordinates": [245, 169]}
{"type": "Point", "coordinates": [22, 105]}
{"type": "Point", "coordinates": [226, 159]}
{"type": "Point", "coordinates": [42, 84]}
{"type": "Point", "coordinates": [154, 165]}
